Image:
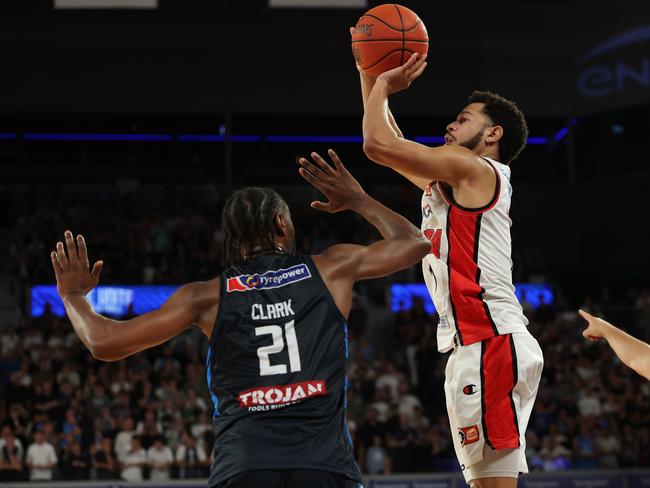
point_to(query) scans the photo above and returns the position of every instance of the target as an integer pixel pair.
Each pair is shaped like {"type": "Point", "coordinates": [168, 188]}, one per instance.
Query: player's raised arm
{"type": "Point", "coordinates": [403, 244]}
{"type": "Point", "coordinates": [112, 340]}
{"type": "Point", "coordinates": [449, 163]}
{"type": "Point", "coordinates": [367, 83]}
{"type": "Point", "coordinates": [634, 353]}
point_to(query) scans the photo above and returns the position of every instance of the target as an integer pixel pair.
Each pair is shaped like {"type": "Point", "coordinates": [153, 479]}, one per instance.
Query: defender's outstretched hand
{"type": "Point", "coordinates": [400, 78]}
{"type": "Point", "coordinates": [337, 184]}
{"type": "Point", "coordinates": [73, 274]}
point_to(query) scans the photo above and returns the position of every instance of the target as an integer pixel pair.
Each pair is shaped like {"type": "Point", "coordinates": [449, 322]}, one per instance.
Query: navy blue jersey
{"type": "Point", "coordinates": [276, 371]}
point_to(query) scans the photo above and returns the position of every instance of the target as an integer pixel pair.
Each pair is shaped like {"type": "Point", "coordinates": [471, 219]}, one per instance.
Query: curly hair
{"type": "Point", "coordinates": [505, 113]}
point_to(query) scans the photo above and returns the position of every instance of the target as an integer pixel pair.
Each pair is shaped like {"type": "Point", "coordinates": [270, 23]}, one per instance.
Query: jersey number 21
{"type": "Point", "coordinates": [275, 331]}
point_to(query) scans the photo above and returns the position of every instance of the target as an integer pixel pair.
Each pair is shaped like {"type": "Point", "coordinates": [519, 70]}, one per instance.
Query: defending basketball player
{"type": "Point", "coordinates": [494, 370]}
{"type": "Point", "coordinates": [276, 325]}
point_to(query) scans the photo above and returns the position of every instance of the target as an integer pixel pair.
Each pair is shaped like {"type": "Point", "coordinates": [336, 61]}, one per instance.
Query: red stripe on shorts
{"type": "Point", "coordinates": [498, 378]}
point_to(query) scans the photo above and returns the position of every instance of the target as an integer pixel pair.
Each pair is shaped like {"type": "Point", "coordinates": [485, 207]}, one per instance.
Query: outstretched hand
{"type": "Point", "coordinates": [596, 326]}
{"type": "Point", "coordinates": [73, 274]}
{"type": "Point", "coordinates": [337, 184]}
{"type": "Point", "coordinates": [400, 78]}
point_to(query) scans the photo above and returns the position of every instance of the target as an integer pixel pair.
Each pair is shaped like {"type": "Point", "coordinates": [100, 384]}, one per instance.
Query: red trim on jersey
{"type": "Point", "coordinates": [449, 196]}
{"type": "Point", "coordinates": [471, 314]}
{"type": "Point", "coordinates": [498, 379]}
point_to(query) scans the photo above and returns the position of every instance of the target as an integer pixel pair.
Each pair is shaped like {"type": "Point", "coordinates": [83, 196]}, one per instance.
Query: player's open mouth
{"type": "Point", "coordinates": [448, 139]}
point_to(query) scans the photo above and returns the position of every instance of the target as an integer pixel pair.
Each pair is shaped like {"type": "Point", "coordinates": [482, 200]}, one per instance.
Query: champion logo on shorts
{"type": "Point", "coordinates": [468, 435]}
{"type": "Point", "coordinates": [470, 389]}
{"type": "Point", "coordinates": [271, 279]}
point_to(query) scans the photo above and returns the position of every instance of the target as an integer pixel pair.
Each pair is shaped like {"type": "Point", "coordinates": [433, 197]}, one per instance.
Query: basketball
{"type": "Point", "coordinates": [386, 36]}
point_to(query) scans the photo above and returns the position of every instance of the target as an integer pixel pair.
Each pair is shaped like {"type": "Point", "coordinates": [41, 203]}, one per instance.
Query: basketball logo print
{"type": "Point", "coordinates": [468, 435]}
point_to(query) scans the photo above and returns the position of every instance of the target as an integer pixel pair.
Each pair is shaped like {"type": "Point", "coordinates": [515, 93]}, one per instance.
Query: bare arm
{"type": "Point", "coordinates": [446, 163]}
{"type": "Point", "coordinates": [112, 340]}
{"type": "Point", "coordinates": [341, 265]}
{"type": "Point", "coordinates": [631, 351]}
{"type": "Point", "coordinates": [403, 245]}
{"type": "Point", "coordinates": [367, 84]}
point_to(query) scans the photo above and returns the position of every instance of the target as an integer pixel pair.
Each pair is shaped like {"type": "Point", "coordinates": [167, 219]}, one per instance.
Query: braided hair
{"type": "Point", "coordinates": [248, 220]}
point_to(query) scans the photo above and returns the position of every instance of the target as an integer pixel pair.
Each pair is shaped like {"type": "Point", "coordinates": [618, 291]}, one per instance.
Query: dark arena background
{"type": "Point", "coordinates": [131, 121]}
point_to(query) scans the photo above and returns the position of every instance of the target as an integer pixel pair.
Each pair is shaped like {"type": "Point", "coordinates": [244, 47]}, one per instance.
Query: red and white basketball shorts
{"type": "Point", "coordinates": [490, 388]}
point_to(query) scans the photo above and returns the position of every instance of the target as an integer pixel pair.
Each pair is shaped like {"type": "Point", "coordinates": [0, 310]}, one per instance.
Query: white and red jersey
{"type": "Point", "coordinates": [469, 269]}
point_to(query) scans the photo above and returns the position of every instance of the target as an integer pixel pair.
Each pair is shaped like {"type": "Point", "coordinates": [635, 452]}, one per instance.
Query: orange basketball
{"type": "Point", "coordinates": [386, 36]}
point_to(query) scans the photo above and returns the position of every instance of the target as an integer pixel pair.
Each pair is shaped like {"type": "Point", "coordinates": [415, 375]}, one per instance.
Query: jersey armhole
{"type": "Point", "coordinates": [449, 197]}
{"type": "Point", "coordinates": [326, 290]}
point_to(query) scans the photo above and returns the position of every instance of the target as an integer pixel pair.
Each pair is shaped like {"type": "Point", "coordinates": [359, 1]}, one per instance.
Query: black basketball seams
{"type": "Point", "coordinates": [391, 40]}
{"type": "Point", "coordinates": [382, 21]}
{"type": "Point", "coordinates": [414, 26]}
{"type": "Point", "coordinates": [382, 58]}
{"type": "Point", "coordinates": [401, 20]}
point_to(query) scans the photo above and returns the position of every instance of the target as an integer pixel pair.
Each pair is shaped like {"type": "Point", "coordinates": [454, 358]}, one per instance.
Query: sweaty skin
{"type": "Point", "coordinates": [197, 303]}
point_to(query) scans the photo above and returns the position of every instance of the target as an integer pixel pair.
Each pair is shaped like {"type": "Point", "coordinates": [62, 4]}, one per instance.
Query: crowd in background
{"type": "Point", "coordinates": [65, 415]}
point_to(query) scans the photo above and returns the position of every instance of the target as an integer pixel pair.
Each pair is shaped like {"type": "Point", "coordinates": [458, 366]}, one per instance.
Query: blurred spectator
{"type": "Point", "coordinates": [191, 458]}
{"type": "Point", "coordinates": [608, 447]}
{"type": "Point", "coordinates": [41, 458]}
{"type": "Point", "coordinates": [585, 449]}
{"type": "Point", "coordinates": [75, 464]}
{"type": "Point", "coordinates": [589, 405]}
{"type": "Point", "coordinates": [123, 439]}
{"type": "Point", "coordinates": [201, 426]}
{"type": "Point", "coordinates": [160, 458]}
{"type": "Point", "coordinates": [377, 461]}
{"type": "Point", "coordinates": [408, 404]}
{"type": "Point", "coordinates": [555, 456]}
{"type": "Point", "coordinates": [6, 435]}
{"type": "Point", "coordinates": [133, 461]}
{"type": "Point", "coordinates": [103, 460]}
{"type": "Point", "coordinates": [148, 429]}
{"type": "Point", "coordinates": [11, 456]}
{"type": "Point", "coordinates": [388, 381]}
{"type": "Point", "coordinates": [401, 442]}
{"type": "Point", "coordinates": [193, 405]}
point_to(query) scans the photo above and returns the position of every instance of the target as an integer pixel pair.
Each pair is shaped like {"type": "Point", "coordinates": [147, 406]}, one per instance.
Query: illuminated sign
{"type": "Point", "coordinates": [113, 300]}
{"type": "Point", "coordinates": [607, 71]}
{"type": "Point", "coordinates": [404, 296]}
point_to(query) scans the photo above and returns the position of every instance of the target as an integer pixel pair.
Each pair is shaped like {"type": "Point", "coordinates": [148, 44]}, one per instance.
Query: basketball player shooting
{"type": "Point", "coordinates": [276, 325]}
{"type": "Point", "coordinates": [494, 370]}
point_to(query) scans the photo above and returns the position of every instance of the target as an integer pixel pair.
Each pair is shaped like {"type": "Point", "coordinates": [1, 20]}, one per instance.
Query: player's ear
{"type": "Point", "coordinates": [281, 227]}
{"type": "Point", "coordinates": [493, 134]}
